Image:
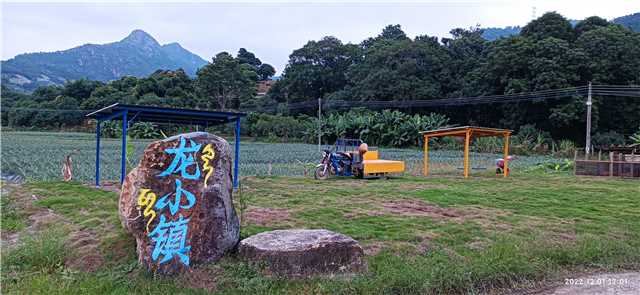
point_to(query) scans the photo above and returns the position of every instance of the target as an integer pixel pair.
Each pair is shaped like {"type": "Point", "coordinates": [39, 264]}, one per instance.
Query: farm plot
{"type": "Point", "coordinates": [39, 156]}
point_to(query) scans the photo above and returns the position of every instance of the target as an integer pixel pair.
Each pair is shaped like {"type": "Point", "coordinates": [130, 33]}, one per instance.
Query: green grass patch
{"type": "Point", "coordinates": [12, 219]}
{"type": "Point", "coordinates": [84, 205]}
{"type": "Point", "coordinates": [518, 230]}
{"type": "Point", "coordinates": [44, 252]}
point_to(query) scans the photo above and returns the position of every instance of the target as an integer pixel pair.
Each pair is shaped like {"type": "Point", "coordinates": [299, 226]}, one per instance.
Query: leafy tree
{"type": "Point", "coordinates": [317, 69]}
{"type": "Point", "coordinates": [590, 23]}
{"type": "Point", "coordinates": [390, 33]}
{"type": "Point", "coordinates": [400, 70]}
{"type": "Point", "coordinates": [550, 24]}
{"type": "Point", "coordinates": [467, 51]}
{"type": "Point", "coordinates": [80, 89]}
{"type": "Point", "coordinates": [147, 85]}
{"type": "Point", "coordinates": [613, 54]}
{"type": "Point", "coordinates": [246, 57]}
{"type": "Point", "coordinates": [225, 80]}
{"type": "Point", "coordinates": [47, 93]}
{"type": "Point", "coordinates": [613, 57]}
{"type": "Point", "coordinates": [266, 71]}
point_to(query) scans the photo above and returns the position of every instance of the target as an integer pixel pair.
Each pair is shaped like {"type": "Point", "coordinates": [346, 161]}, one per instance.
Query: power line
{"type": "Point", "coordinates": [443, 102]}
{"type": "Point", "coordinates": [47, 110]}
{"type": "Point", "coordinates": [529, 96]}
{"type": "Point", "coordinates": [627, 91]}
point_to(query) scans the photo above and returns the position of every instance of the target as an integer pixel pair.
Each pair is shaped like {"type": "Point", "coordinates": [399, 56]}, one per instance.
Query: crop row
{"type": "Point", "coordinates": [39, 156]}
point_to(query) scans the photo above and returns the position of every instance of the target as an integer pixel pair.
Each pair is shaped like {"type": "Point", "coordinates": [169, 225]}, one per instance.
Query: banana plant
{"type": "Point", "coordinates": [635, 138]}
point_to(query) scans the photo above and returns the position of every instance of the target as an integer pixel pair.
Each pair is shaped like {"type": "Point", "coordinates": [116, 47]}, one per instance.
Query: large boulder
{"type": "Point", "coordinates": [178, 204]}
{"type": "Point", "coordinates": [304, 252]}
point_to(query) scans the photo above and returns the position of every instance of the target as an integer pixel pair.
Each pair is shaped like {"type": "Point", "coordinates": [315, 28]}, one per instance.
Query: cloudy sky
{"type": "Point", "coordinates": [269, 29]}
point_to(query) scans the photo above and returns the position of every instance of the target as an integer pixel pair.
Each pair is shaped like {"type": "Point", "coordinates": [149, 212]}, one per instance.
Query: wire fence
{"type": "Point", "coordinates": [39, 156]}
{"type": "Point", "coordinates": [608, 163]}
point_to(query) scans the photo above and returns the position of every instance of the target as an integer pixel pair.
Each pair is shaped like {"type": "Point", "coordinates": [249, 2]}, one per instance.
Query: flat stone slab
{"type": "Point", "coordinates": [304, 252]}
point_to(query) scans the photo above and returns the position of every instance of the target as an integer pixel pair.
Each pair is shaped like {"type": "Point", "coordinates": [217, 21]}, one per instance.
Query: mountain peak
{"type": "Point", "coordinates": [139, 54]}
{"type": "Point", "coordinates": [140, 37]}
{"type": "Point", "coordinates": [173, 45]}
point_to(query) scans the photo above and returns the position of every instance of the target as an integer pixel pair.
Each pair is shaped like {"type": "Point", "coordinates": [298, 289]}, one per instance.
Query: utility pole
{"type": "Point", "coordinates": [533, 13]}
{"type": "Point", "coordinates": [587, 147]}
{"type": "Point", "coordinates": [319, 124]}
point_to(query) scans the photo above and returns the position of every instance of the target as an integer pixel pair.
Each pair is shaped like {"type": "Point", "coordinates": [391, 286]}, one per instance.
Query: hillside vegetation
{"type": "Point", "coordinates": [631, 21]}
{"type": "Point", "coordinates": [138, 55]}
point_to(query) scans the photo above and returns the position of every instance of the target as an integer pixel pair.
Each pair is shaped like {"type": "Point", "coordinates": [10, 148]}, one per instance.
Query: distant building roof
{"type": "Point", "coordinates": [461, 131]}
{"type": "Point", "coordinates": [264, 86]}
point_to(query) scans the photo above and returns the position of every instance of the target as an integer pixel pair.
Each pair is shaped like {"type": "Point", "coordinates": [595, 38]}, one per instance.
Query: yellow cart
{"type": "Point", "coordinates": [371, 166]}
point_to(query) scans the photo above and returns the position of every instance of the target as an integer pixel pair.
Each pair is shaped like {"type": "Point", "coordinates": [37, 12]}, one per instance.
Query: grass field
{"type": "Point", "coordinates": [434, 235]}
{"type": "Point", "coordinates": [39, 156]}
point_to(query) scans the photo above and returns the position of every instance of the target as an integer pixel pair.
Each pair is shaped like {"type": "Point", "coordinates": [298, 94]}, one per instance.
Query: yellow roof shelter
{"type": "Point", "coordinates": [467, 132]}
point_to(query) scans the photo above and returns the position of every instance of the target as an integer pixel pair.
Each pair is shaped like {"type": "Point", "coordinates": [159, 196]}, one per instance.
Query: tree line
{"type": "Point", "coordinates": [549, 53]}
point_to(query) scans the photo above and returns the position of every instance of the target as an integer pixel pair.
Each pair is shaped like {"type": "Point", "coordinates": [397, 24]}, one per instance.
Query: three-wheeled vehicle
{"type": "Point", "coordinates": [352, 157]}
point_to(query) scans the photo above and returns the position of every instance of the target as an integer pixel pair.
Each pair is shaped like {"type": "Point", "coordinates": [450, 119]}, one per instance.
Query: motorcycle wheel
{"type": "Point", "coordinates": [321, 174]}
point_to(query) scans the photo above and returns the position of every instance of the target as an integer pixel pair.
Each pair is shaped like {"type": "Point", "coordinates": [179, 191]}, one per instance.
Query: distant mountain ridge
{"type": "Point", "coordinates": [139, 54]}
{"type": "Point", "coordinates": [631, 21]}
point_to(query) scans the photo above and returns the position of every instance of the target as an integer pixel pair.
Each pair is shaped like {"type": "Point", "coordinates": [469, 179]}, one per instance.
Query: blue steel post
{"type": "Point", "coordinates": [237, 154]}
{"type": "Point", "coordinates": [123, 164]}
{"type": "Point", "coordinates": [98, 153]}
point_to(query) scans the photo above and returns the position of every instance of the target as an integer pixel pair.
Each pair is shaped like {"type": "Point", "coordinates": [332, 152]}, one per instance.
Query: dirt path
{"type": "Point", "coordinates": [38, 218]}
{"type": "Point", "coordinates": [84, 253]}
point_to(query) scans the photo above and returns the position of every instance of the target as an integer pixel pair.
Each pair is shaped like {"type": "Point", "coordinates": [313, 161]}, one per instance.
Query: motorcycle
{"type": "Point", "coordinates": [333, 163]}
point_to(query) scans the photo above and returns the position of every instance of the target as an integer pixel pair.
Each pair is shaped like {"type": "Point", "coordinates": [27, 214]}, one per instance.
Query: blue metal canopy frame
{"type": "Point", "coordinates": [130, 113]}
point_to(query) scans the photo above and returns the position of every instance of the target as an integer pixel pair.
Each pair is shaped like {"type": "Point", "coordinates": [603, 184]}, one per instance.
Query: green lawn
{"type": "Point", "coordinates": [434, 235]}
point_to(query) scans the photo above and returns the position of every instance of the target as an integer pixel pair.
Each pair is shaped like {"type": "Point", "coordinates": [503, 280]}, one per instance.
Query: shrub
{"type": "Point", "coordinates": [111, 129]}
{"type": "Point", "coordinates": [489, 144]}
{"type": "Point", "coordinates": [386, 128]}
{"type": "Point", "coordinates": [142, 130]}
{"type": "Point", "coordinates": [607, 139]}
{"type": "Point", "coordinates": [530, 140]}
{"type": "Point", "coordinates": [565, 148]}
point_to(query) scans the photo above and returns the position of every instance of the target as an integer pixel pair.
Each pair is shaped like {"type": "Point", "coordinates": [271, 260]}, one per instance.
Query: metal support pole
{"type": "Point", "coordinates": [575, 161]}
{"type": "Point", "coordinates": [610, 164]}
{"type": "Point", "coordinates": [319, 124]}
{"type": "Point", "coordinates": [123, 157]}
{"type": "Point", "coordinates": [587, 148]}
{"type": "Point", "coordinates": [505, 171]}
{"type": "Point", "coordinates": [467, 138]}
{"type": "Point", "coordinates": [425, 160]}
{"type": "Point", "coordinates": [236, 160]}
{"type": "Point", "coordinates": [98, 153]}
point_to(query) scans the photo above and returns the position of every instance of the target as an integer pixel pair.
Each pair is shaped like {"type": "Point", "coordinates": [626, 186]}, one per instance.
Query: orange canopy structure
{"type": "Point", "coordinates": [468, 132]}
